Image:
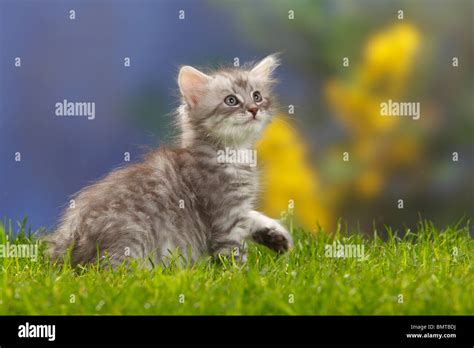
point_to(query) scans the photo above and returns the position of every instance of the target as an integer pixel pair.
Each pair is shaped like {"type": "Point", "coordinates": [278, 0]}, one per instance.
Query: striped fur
{"type": "Point", "coordinates": [181, 198]}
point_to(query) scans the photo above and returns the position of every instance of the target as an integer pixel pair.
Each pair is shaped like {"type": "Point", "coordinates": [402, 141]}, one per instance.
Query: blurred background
{"type": "Point", "coordinates": [329, 156]}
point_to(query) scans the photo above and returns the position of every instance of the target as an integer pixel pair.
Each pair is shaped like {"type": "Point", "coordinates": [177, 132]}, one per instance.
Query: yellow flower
{"type": "Point", "coordinates": [404, 151]}
{"type": "Point", "coordinates": [376, 143]}
{"type": "Point", "coordinates": [287, 177]}
{"type": "Point", "coordinates": [357, 109]}
{"type": "Point", "coordinates": [388, 57]}
{"type": "Point", "coordinates": [369, 183]}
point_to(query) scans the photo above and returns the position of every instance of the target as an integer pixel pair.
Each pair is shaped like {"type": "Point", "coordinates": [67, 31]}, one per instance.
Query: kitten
{"type": "Point", "coordinates": [183, 198]}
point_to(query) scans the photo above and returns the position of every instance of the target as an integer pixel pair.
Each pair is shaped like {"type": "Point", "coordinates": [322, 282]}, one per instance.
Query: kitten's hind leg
{"type": "Point", "coordinates": [269, 232]}
{"type": "Point", "coordinates": [121, 252]}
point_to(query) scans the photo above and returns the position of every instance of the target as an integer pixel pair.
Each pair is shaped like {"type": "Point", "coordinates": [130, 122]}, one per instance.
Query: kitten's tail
{"type": "Point", "coordinates": [57, 245]}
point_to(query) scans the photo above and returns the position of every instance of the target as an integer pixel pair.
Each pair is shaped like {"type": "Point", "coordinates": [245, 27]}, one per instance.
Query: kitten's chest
{"type": "Point", "coordinates": [228, 186]}
{"type": "Point", "coordinates": [239, 179]}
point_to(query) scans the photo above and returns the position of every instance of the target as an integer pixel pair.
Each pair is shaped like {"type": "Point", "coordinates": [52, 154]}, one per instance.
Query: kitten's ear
{"type": "Point", "coordinates": [192, 83]}
{"type": "Point", "coordinates": [266, 66]}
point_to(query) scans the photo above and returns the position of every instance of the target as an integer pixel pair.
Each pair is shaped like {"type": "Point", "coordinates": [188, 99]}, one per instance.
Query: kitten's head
{"type": "Point", "coordinates": [228, 106]}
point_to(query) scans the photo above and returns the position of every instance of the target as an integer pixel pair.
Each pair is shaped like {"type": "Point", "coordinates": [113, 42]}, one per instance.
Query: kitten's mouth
{"type": "Point", "coordinates": [246, 120]}
{"type": "Point", "coordinates": [251, 119]}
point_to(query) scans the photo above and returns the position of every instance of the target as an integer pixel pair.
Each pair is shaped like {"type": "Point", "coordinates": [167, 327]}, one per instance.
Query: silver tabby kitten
{"type": "Point", "coordinates": [183, 198]}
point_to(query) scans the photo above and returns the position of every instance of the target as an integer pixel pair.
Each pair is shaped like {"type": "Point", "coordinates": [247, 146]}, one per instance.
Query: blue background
{"type": "Point", "coordinates": [82, 60]}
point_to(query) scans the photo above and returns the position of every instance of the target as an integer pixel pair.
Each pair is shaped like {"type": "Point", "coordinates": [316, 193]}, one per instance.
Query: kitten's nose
{"type": "Point", "coordinates": [253, 110]}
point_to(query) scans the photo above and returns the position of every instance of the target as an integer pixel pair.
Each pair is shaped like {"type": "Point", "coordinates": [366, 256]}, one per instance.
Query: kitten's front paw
{"type": "Point", "coordinates": [275, 237]}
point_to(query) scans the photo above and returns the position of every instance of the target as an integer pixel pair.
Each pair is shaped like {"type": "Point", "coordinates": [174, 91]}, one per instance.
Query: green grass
{"type": "Point", "coordinates": [422, 267]}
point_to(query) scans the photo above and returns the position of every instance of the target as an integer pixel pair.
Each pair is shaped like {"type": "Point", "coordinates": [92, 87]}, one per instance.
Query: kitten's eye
{"type": "Point", "coordinates": [231, 100]}
{"type": "Point", "coordinates": [257, 97]}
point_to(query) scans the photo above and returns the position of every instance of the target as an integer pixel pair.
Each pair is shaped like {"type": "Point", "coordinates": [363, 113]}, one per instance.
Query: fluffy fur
{"type": "Point", "coordinates": [182, 198]}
